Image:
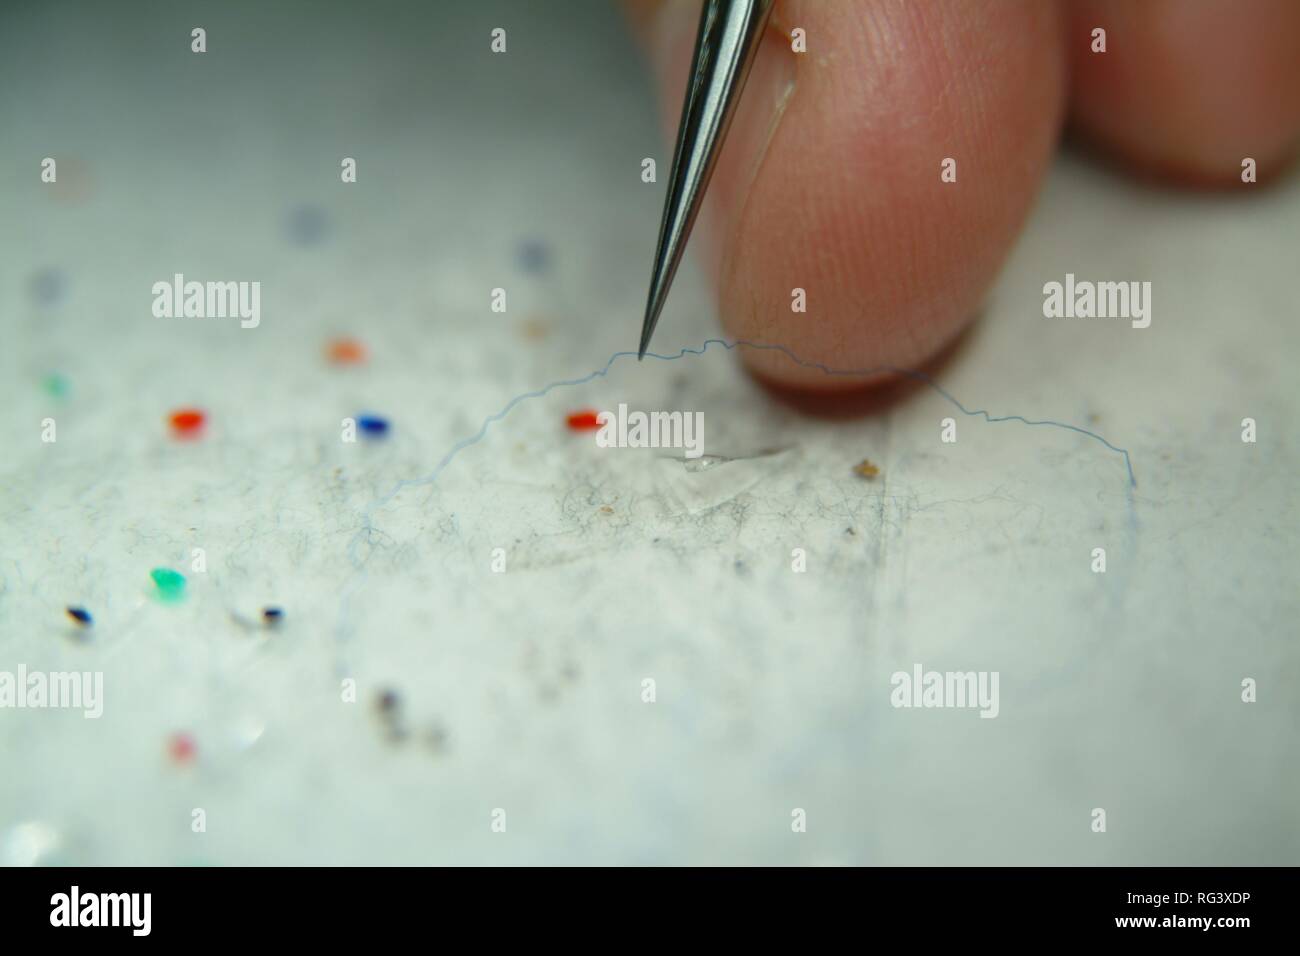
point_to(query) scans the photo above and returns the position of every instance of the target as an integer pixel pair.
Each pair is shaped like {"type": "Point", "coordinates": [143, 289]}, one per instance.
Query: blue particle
{"type": "Point", "coordinates": [81, 616]}
{"type": "Point", "coordinates": [272, 615]}
{"type": "Point", "coordinates": [533, 256]}
{"type": "Point", "coordinates": [307, 224]}
{"type": "Point", "coordinates": [48, 286]}
{"type": "Point", "coordinates": [373, 426]}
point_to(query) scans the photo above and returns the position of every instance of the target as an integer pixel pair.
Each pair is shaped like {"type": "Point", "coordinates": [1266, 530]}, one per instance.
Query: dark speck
{"type": "Point", "coordinates": [81, 616]}
{"type": "Point", "coordinates": [389, 706]}
{"type": "Point", "coordinates": [272, 615]}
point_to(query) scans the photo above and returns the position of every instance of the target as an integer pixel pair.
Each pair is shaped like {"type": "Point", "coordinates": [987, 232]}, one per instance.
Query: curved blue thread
{"type": "Point", "coordinates": [729, 346]}
{"type": "Point", "coordinates": [927, 380]}
{"type": "Point", "coordinates": [367, 528]}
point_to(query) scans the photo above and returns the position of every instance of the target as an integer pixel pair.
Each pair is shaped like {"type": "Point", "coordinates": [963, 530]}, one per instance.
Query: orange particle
{"type": "Point", "coordinates": [187, 422]}
{"type": "Point", "coordinates": [346, 352]}
{"type": "Point", "coordinates": [584, 421]}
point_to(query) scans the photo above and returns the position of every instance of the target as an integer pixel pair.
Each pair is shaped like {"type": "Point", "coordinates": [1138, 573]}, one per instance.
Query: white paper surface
{"type": "Point", "coordinates": [1120, 691]}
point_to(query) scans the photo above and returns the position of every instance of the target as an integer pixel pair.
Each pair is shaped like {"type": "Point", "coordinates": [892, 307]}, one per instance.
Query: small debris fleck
{"type": "Point", "coordinates": [81, 616]}
{"type": "Point", "coordinates": [533, 329]}
{"type": "Point", "coordinates": [865, 469]}
{"type": "Point", "coordinates": [273, 616]}
{"type": "Point", "coordinates": [585, 420]}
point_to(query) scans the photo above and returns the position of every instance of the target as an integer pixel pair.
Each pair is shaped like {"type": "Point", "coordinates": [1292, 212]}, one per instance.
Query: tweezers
{"type": "Point", "coordinates": [730, 34]}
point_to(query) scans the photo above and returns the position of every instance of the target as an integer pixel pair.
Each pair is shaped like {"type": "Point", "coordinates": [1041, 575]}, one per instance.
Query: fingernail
{"type": "Point", "coordinates": [767, 93]}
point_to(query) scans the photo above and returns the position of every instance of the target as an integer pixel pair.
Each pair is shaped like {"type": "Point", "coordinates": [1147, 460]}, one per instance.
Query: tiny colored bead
{"type": "Point", "coordinates": [187, 422]}
{"type": "Point", "coordinates": [81, 616]}
{"type": "Point", "coordinates": [373, 425]}
{"type": "Point", "coordinates": [272, 615]}
{"type": "Point", "coordinates": [584, 421]}
{"type": "Point", "coordinates": [170, 584]}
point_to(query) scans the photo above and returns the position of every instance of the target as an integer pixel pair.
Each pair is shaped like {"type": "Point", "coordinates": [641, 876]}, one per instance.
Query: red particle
{"type": "Point", "coordinates": [346, 352]}
{"type": "Point", "coordinates": [187, 422]}
{"type": "Point", "coordinates": [584, 421]}
{"type": "Point", "coordinates": [181, 748]}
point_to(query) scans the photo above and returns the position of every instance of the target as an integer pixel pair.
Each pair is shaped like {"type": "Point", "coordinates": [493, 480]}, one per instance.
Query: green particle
{"type": "Point", "coordinates": [56, 385]}
{"type": "Point", "coordinates": [170, 584]}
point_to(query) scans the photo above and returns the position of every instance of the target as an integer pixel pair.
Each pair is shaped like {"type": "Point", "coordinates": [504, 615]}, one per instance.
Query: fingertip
{"type": "Point", "coordinates": [1188, 90]}
{"type": "Point", "coordinates": [888, 190]}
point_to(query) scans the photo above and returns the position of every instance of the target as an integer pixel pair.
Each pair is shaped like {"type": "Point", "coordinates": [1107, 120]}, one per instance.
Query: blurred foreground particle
{"type": "Point", "coordinates": [346, 352]}
{"type": "Point", "coordinates": [181, 748]}
{"type": "Point", "coordinates": [48, 286]}
{"type": "Point", "coordinates": [307, 224]}
{"type": "Point", "coordinates": [533, 256]}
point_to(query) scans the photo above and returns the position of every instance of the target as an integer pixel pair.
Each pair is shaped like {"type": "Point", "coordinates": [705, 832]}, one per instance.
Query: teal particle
{"type": "Point", "coordinates": [170, 584]}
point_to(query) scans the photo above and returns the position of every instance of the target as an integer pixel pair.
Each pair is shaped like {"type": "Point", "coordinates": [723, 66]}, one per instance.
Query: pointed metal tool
{"type": "Point", "coordinates": [730, 34]}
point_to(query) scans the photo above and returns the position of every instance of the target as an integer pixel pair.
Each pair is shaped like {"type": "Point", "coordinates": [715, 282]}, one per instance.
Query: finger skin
{"type": "Point", "coordinates": [1189, 88]}
{"type": "Point", "coordinates": [837, 191]}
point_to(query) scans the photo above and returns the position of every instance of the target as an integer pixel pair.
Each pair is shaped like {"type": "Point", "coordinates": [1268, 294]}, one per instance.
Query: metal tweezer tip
{"type": "Point", "coordinates": [730, 34]}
